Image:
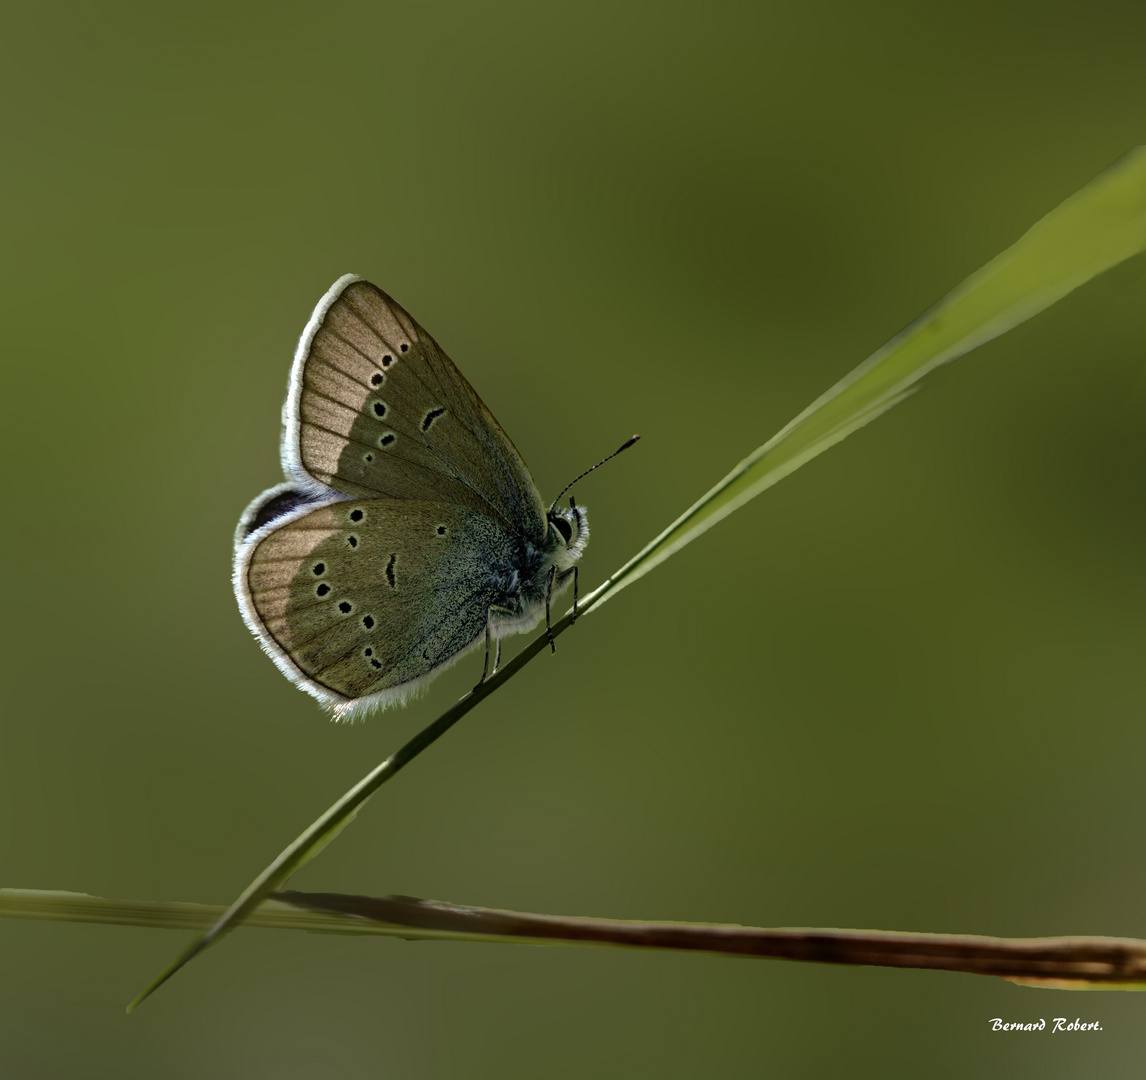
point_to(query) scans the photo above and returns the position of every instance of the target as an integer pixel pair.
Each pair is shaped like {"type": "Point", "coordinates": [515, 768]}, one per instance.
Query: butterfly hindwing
{"type": "Point", "coordinates": [377, 409]}
{"type": "Point", "coordinates": [361, 598]}
{"type": "Point", "coordinates": [408, 522]}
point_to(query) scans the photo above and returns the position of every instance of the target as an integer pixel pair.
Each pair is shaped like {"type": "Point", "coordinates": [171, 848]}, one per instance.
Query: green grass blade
{"type": "Point", "coordinates": [58, 906]}
{"type": "Point", "coordinates": [324, 828]}
{"type": "Point", "coordinates": [1093, 230]}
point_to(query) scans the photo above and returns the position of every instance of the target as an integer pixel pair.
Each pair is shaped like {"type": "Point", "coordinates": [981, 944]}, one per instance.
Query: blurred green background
{"type": "Point", "coordinates": [901, 690]}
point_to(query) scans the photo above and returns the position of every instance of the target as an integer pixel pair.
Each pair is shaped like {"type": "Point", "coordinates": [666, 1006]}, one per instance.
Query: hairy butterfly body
{"type": "Point", "coordinates": [408, 526]}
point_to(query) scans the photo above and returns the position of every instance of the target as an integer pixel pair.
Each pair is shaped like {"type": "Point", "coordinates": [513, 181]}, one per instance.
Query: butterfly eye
{"type": "Point", "coordinates": [563, 527]}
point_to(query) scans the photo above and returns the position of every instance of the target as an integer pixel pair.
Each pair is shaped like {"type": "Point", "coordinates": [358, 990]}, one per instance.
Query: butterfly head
{"type": "Point", "coordinates": [568, 532]}
{"type": "Point", "coordinates": [569, 529]}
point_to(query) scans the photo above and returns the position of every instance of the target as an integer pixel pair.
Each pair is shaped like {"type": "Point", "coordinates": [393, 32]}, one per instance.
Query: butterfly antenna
{"type": "Point", "coordinates": [626, 445]}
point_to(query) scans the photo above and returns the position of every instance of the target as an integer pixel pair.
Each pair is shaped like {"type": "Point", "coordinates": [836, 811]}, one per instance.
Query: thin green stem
{"type": "Point", "coordinates": [1096, 228]}
{"type": "Point", "coordinates": [325, 828]}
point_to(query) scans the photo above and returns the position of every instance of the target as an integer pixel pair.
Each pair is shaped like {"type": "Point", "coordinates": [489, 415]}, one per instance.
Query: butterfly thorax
{"type": "Point", "coordinates": [522, 581]}
{"type": "Point", "coordinates": [518, 585]}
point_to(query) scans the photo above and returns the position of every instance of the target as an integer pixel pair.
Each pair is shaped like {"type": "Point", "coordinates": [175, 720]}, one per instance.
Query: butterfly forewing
{"type": "Point", "coordinates": [408, 522]}
{"type": "Point", "coordinates": [381, 410]}
{"type": "Point", "coordinates": [365, 595]}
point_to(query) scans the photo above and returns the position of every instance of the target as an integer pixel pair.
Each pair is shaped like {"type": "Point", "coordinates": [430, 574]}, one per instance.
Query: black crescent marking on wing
{"type": "Point", "coordinates": [337, 623]}
{"type": "Point", "coordinates": [363, 321]}
{"type": "Point", "coordinates": [408, 461]}
{"type": "Point", "coordinates": [429, 418]}
{"type": "Point", "coordinates": [358, 412]}
{"type": "Point", "coordinates": [369, 359]}
{"type": "Point", "coordinates": [279, 590]}
{"type": "Point", "coordinates": [413, 374]}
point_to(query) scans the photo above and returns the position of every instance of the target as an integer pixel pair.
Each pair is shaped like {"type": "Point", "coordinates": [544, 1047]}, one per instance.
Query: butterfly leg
{"type": "Point", "coordinates": [488, 635]}
{"type": "Point", "coordinates": [485, 671]}
{"type": "Point", "coordinates": [548, 597]}
{"type": "Point", "coordinates": [563, 577]}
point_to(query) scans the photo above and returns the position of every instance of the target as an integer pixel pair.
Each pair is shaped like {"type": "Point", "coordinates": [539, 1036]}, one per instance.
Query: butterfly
{"type": "Point", "coordinates": [408, 528]}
